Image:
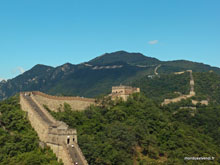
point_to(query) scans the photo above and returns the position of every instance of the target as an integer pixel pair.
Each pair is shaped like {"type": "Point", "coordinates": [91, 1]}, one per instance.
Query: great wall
{"type": "Point", "coordinates": [57, 135]}
{"type": "Point", "coordinates": [53, 133]}
{"type": "Point", "coordinates": [55, 103]}
{"type": "Point", "coordinates": [155, 70]}
{"type": "Point", "coordinates": [183, 97]}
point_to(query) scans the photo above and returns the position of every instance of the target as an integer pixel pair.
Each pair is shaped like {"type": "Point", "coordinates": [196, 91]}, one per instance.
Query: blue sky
{"type": "Point", "coordinates": [53, 32]}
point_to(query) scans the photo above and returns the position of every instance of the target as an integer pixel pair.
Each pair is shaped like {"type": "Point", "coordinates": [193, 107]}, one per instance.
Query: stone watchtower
{"type": "Point", "coordinates": [123, 91]}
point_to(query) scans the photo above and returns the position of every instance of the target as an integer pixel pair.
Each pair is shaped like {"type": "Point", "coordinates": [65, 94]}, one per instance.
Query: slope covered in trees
{"type": "Point", "coordinates": [96, 76]}
{"type": "Point", "coordinates": [18, 141]}
{"type": "Point", "coordinates": [207, 86]}
{"type": "Point", "coordinates": [137, 131]}
{"type": "Point", "coordinates": [122, 56]}
{"type": "Point", "coordinates": [164, 86]}
{"type": "Point", "coordinates": [140, 131]}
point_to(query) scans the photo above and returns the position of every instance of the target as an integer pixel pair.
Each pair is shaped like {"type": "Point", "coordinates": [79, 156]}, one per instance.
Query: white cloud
{"type": "Point", "coordinates": [21, 70]}
{"type": "Point", "coordinates": [153, 42]}
{"type": "Point", "coordinates": [18, 70]}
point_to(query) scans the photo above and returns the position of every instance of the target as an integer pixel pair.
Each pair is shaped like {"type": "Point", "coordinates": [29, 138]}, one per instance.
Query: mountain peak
{"type": "Point", "coordinates": [123, 56]}
{"type": "Point", "coordinates": [41, 66]}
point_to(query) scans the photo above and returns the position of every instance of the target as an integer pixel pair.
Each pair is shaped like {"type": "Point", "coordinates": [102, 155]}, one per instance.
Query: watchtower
{"type": "Point", "coordinates": [123, 91]}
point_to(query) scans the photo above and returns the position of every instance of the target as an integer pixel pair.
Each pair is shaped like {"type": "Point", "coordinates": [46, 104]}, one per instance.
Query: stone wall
{"type": "Point", "coordinates": [175, 100]}
{"type": "Point", "coordinates": [61, 153]}
{"type": "Point", "coordinates": [37, 123]}
{"type": "Point", "coordinates": [203, 102]}
{"type": "Point", "coordinates": [54, 102]}
{"type": "Point", "coordinates": [183, 97]}
{"type": "Point", "coordinates": [54, 133]}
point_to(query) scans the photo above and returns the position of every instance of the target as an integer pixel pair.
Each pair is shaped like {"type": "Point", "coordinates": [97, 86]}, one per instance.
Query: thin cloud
{"type": "Point", "coordinates": [153, 42]}
{"type": "Point", "coordinates": [3, 79]}
{"type": "Point", "coordinates": [18, 70]}
{"type": "Point", "coordinates": [21, 70]}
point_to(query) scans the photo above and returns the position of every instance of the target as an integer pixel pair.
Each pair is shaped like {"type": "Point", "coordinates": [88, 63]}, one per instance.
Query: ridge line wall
{"type": "Point", "coordinates": [36, 121]}
{"type": "Point", "coordinates": [44, 111]}
{"type": "Point", "coordinates": [63, 97]}
{"type": "Point", "coordinates": [54, 137]}
{"type": "Point", "coordinates": [55, 103]}
{"type": "Point", "coordinates": [183, 97]}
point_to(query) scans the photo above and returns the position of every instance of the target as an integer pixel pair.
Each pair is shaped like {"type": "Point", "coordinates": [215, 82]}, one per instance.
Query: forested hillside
{"type": "Point", "coordinates": [122, 56]}
{"type": "Point", "coordinates": [207, 86]}
{"type": "Point", "coordinates": [181, 65]}
{"type": "Point", "coordinates": [142, 132]}
{"type": "Point", "coordinates": [139, 131]}
{"type": "Point", "coordinates": [95, 77]}
{"type": "Point", "coordinates": [164, 86]}
{"type": "Point", "coordinates": [19, 143]}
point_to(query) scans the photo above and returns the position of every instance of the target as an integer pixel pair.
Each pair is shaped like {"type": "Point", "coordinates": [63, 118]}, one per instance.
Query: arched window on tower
{"type": "Point", "coordinates": [68, 139]}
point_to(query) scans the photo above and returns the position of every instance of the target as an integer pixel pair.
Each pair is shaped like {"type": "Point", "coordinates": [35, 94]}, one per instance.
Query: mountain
{"type": "Point", "coordinates": [130, 58]}
{"type": "Point", "coordinates": [95, 77]}
{"type": "Point", "coordinates": [138, 131]}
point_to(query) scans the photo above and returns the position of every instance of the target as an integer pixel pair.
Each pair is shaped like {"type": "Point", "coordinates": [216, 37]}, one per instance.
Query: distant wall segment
{"type": "Point", "coordinates": [55, 103]}
{"type": "Point", "coordinates": [62, 97]}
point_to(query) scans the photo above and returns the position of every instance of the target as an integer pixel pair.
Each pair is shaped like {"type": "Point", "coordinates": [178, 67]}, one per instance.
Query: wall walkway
{"type": "Point", "coordinates": [55, 134]}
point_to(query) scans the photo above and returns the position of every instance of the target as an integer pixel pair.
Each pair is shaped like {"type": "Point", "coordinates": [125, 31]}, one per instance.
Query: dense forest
{"type": "Point", "coordinates": [207, 86]}
{"type": "Point", "coordinates": [140, 131]}
{"type": "Point", "coordinates": [19, 143]}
